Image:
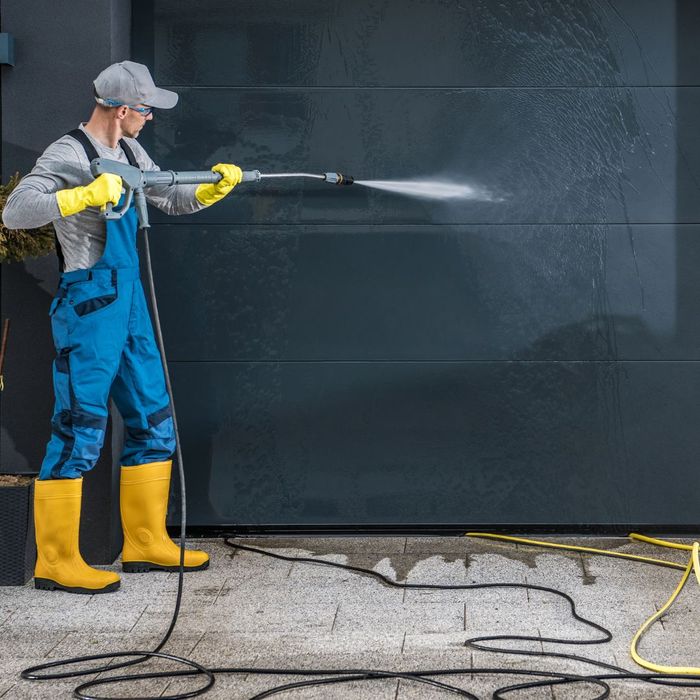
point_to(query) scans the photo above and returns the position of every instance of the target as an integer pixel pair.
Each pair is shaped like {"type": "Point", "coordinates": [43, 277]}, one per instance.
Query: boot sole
{"type": "Point", "coordinates": [141, 567]}
{"type": "Point", "coordinates": [46, 584]}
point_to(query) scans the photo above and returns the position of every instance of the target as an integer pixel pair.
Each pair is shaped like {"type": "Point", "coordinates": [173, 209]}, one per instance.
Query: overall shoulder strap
{"type": "Point", "coordinates": [128, 153]}
{"type": "Point", "coordinates": [81, 137]}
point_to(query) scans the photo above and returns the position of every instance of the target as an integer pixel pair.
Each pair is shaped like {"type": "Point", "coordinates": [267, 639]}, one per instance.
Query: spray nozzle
{"type": "Point", "coordinates": [338, 179]}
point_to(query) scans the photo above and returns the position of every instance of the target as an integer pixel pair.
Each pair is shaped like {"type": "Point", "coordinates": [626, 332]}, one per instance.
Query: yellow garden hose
{"type": "Point", "coordinates": [692, 565]}
{"type": "Point", "coordinates": [574, 548]}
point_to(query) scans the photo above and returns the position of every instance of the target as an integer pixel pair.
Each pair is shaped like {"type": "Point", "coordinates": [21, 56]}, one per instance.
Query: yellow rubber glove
{"type": "Point", "coordinates": [103, 189]}
{"type": "Point", "coordinates": [231, 175]}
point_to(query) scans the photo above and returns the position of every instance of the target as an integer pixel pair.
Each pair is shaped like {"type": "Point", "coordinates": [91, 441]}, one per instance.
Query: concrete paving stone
{"type": "Point", "coordinates": [321, 659]}
{"type": "Point", "coordinates": [617, 588]}
{"type": "Point", "coordinates": [522, 662]}
{"type": "Point", "coordinates": [125, 689]}
{"type": "Point", "coordinates": [249, 617]}
{"type": "Point", "coordinates": [673, 647]}
{"type": "Point", "coordinates": [415, 690]}
{"type": "Point", "coordinates": [670, 650]}
{"type": "Point", "coordinates": [20, 597]}
{"type": "Point", "coordinates": [152, 583]}
{"type": "Point", "coordinates": [6, 616]}
{"type": "Point", "coordinates": [5, 686]}
{"type": "Point", "coordinates": [625, 617]}
{"type": "Point", "coordinates": [224, 650]}
{"type": "Point", "coordinates": [183, 685]}
{"type": "Point", "coordinates": [390, 567]}
{"type": "Point", "coordinates": [562, 566]}
{"type": "Point", "coordinates": [437, 545]}
{"type": "Point", "coordinates": [153, 578]}
{"type": "Point", "coordinates": [441, 569]}
{"type": "Point", "coordinates": [519, 554]}
{"type": "Point", "coordinates": [100, 616]}
{"type": "Point", "coordinates": [246, 645]}
{"type": "Point", "coordinates": [443, 642]}
{"type": "Point", "coordinates": [354, 589]}
{"type": "Point", "coordinates": [43, 690]}
{"type": "Point", "coordinates": [12, 667]}
{"type": "Point", "coordinates": [620, 568]}
{"type": "Point", "coordinates": [531, 621]}
{"type": "Point", "coordinates": [451, 646]}
{"type": "Point", "coordinates": [470, 596]}
{"type": "Point", "coordinates": [279, 616]}
{"type": "Point", "coordinates": [465, 596]}
{"type": "Point", "coordinates": [195, 597]}
{"type": "Point", "coordinates": [86, 643]}
{"type": "Point", "coordinates": [371, 646]}
{"type": "Point", "coordinates": [453, 659]}
{"type": "Point", "coordinates": [14, 644]}
{"type": "Point", "coordinates": [316, 546]}
{"type": "Point", "coordinates": [413, 617]}
{"type": "Point", "coordinates": [494, 568]}
{"type": "Point", "coordinates": [246, 565]}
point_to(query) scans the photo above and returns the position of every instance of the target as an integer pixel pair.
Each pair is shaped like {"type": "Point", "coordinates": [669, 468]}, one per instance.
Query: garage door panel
{"type": "Point", "coordinates": [333, 42]}
{"type": "Point", "coordinates": [461, 443]}
{"type": "Point", "coordinates": [429, 292]}
{"type": "Point", "coordinates": [525, 156]}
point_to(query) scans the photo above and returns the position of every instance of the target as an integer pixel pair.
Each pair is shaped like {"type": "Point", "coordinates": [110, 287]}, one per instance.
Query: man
{"type": "Point", "coordinates": [103, 335]}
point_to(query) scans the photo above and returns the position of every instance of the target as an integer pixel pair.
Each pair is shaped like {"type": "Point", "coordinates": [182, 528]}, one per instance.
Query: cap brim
{"type": "Point", "coordinates": [162, 99]}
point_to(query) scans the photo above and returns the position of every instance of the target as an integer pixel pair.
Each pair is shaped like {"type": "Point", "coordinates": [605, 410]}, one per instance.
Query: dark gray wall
{"type": "Point", "coordinates": [60, 48]}
{"type": "Point", "coordinates": [355, 357]}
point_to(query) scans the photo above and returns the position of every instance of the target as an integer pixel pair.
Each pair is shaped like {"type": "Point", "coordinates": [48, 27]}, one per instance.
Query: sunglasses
{"type": "Point", "coordinates": [143, 111]}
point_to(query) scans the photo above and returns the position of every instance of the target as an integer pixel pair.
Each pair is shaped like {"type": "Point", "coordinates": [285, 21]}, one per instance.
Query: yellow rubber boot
{"type": "Point", "coordinates": [144, 495]}
{"type": "Point", "coordinates": [59, 565]}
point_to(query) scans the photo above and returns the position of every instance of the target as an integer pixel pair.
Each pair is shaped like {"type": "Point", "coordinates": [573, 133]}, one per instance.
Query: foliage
{"type": "Point", "coordinates": [18, 244]}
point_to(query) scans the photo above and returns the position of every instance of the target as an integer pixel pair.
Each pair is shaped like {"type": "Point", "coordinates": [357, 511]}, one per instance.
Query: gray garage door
{"type": "Point", "coordinates": [349, 357]}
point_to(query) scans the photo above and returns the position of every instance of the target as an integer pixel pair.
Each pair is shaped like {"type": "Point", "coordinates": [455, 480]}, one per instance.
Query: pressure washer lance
{"type": "Point", "coordinates": [134, 180]}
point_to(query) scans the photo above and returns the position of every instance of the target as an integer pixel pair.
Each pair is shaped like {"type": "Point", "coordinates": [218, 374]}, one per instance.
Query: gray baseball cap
{"type": "Point", "coordinates": [129, 83]}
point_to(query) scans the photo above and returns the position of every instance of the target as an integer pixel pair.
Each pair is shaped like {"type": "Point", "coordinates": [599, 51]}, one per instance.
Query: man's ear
{"type": "Point", "coordinates": [121, 111]}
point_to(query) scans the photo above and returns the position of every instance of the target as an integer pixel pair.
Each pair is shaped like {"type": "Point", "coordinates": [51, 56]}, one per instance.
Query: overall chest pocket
{"type": "Point", "coordinates": [90, 296]}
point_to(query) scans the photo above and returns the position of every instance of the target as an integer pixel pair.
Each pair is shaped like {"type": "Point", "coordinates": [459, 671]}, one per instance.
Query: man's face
{"type": "Point", "coordinates": [134, 121]}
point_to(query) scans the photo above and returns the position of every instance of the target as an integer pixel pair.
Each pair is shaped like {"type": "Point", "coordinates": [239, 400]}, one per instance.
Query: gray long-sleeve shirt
{"type": "Point", "coordinates": [64, 165]}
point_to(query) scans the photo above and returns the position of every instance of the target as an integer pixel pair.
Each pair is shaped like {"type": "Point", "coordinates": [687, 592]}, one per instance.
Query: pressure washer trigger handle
{"type": "Point", "coordinates": [132, 178]}
{"type": "Point", "coordinates": [111, 213]}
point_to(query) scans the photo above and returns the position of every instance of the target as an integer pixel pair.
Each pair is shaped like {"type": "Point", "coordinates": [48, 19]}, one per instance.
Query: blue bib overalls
{"type": "Point", "coordinates": [105, 347]}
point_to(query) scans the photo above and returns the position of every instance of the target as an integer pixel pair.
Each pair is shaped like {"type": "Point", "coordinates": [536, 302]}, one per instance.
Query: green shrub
{"type": "Point", "coordinates": [18, 244]}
